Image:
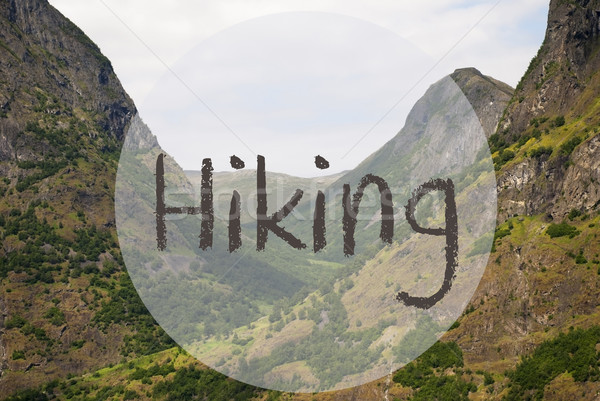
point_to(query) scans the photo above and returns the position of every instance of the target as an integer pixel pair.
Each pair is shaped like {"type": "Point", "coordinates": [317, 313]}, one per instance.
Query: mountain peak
{"type": "Point", "coordinates": [467, 71]}
{"type": "Point", "coordinates": [487, 96]}
{"type": "Point", "coordinates": [42, 49]}
{"type": "Point", "coordinates": [562, 69]}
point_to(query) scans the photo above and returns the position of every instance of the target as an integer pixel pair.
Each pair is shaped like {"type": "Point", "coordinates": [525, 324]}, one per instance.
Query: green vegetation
{"type": "Point", "coordinates": [55, 315]}
{"type": "Point", "coordinates": [193, 383]}
{"type": "Point", "coordinates": [580, 259]}
{"type": "Point", "coordinates": [18, 355]}
{"type": "Point", "coordinates": [28, 395]}
{"type": "Point", "coordinates": [44, 263]}
{"type": "Point", "coordinates": [37, 332]}
{"type": "Point", "coordinates": [154, 370]}
{"type": "Point", "coordinates": [416, 340]}
{"type": "Point", "coordinates": [537, 121]}
{"type": "Point", "coordinates": [559, 121]}
{"type": "Point", "coordinates": [574, 213]}
{"type": "Point", "coordinates": [497, 143]}
{"type": "Point", "coordinates": [47, 169]}
{"type": "Point", "coordinates": [573, 352]}
{"type": "Point", "coordinates": [533, 64]}
{"type": "Point", "coordinates": [328, 360]}
{"type": "Point", "coordinates": [481, 245]}
{"type": "Point", "coordinates": [488, 379]}
{"type": "Point", "coordinates": [541, 151]}
{"type": "Point", "coordinates": [501, 232]}
{"type": "Point", "coordinates": [562, 230]}
{"type": "Point", "coordinates": [504, 156]}
{"type": "Point", "coordinates": [15, 321]}
{"type": "Point", "coordinates": [426, 375]}
{"type": "Point", "coordinates": [125, 305]}
{"type": "Point", "coordinates": [567, 148]}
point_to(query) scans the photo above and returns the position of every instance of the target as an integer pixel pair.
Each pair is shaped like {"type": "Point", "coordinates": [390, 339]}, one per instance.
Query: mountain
{"type": "Point", "coordinates": [73, 327]}
{"type": "Point", "coordinates": [554, 114]}
{"type": "Point", "coordinates": [531, 328]}
{"type": "Point", "coordinates": [66, 306]}
{"type": "Point", "coordinates": [562, 76]}
{"type": "Point", "coordinates": [266, 317]}
{"type": "Point", "coordinates": [488, 96]}
{"type": "Point", "coordinates": [542, 279]}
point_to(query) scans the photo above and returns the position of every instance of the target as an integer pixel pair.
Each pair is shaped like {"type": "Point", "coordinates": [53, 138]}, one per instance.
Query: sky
{"type": "Point", "coordinates": [293, 79]}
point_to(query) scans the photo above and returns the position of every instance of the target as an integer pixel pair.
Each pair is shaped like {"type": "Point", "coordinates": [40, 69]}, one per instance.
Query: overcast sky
{"type": "Point", "coordinates": [222, 88]}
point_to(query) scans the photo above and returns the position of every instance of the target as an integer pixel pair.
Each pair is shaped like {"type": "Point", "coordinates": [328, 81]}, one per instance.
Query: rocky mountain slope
{"type": "Point", "coordinates": [62, 121]}
{"type": "Point", "coordinates": [563, 69]}
{"type": "Point", "coordinates": [72, 326]}
{"type": "Point", "coordinates": [488, 96]}
{"type": "Point", "coordinates": [555, 108]}
{"type": "Point", "coordinates": [543, 278]}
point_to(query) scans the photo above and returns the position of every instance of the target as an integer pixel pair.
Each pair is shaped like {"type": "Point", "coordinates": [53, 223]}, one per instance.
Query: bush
{"type": "Point", "coordinates": [191, 383]}
{"type": "Point", "coordinates": [523, 140]}
{"type": "Point", "coordinates": [130, 395]}
{"type": "Point", "coordinates": [28, 395]}
{"type": "Point", "coordinates": [541, 151]}
{"type": "Point", "coordinates": [496, 143]}
{"type": "Point", "coordinates": [503, 157]}
{"type": "Point", "coordinates": [559, 121]}
{"type": "Point", "coordinates": [18, 355]}
{"type": "Point", "coordinates": [561, 230]}
{"type": "Point", "coordinates": [573, 352]}
{"type": "Point", "coordinates": [16, 321]}
{"type": "Point", "coordinates": [56, 316]}
{"type": "Point", "coordinates": [580, 259]}
{"type": "Point", "coordinates": [574, 213]}
{"type": "Point", "coordinates": [501, 233]}
{"type": "Point", "coordinates": [536, 122]}
{"type": "Point", "coordinates": [421, 374]}
{"type": "Point", "coordinates": [568, 147]}
{"type": "Point", "coordinates": [455, 325]}
{"type": "Point", "coordinates": [279, 326]}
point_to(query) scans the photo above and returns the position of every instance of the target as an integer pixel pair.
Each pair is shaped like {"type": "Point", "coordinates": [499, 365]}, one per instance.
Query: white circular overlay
{"type": "Point", "coordinates": [287, 220]}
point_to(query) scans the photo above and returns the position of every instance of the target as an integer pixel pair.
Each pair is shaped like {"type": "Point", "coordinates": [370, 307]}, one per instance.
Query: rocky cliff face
{"type": "Point", "coordinates": [533, 186]}
{"type": "Point", "coordinates": [548, 160]}
{"type": "Point", "coordinates": [488, 96]}
{"type": "Point", "coordinates": [555, 106]}
{"type": "Point", "coordinates": [59, 97]}
{"type": "Point", "coordinates": [561, 71]}
{"type": "Point", "coordinates": [47, 62]}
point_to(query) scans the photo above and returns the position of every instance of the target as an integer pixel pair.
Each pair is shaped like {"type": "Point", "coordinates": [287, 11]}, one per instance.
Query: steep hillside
{"type": "Point", "coordinates": [553, 116]}
{"type": "Point", "coordinates": [69, 312]}
{"type": "Point", "coordinates": [65, 305]}
{"type": "Point", "coordinates": [543, 278]}
{"type": "Point", "coordinates": [561, 72]}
